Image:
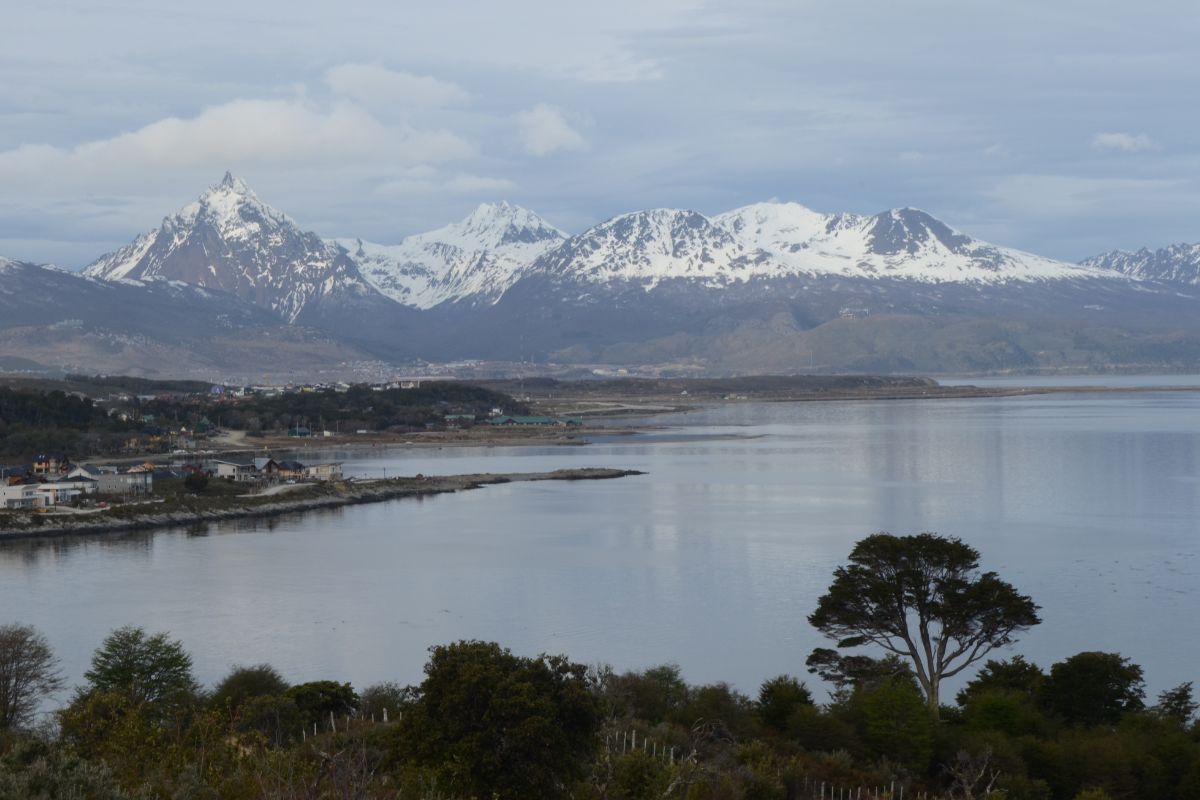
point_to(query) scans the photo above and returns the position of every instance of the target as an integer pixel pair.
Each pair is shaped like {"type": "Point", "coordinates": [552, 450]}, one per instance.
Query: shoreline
{"type": "Point", "coordinates": [614, 409]}
{"type": "Point", "coordinates": [598, 408]}
{"type": "Point", "coordinates": [317, 498]}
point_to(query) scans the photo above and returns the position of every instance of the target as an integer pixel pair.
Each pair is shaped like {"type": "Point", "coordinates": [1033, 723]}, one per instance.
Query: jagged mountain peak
{"type": "Point", "coordinates": [229, 240]}
{"type": "Point", "coordinates": [475, 260]}
{"type": "Point", "coordinates": [233, 207]}
{"type": "Point", "coordinates": [493, 225]}
{"type": "Point", "coordinates": [1175, 263]}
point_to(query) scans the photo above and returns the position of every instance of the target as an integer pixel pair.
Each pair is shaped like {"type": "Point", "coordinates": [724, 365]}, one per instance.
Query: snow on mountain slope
{"type": "Point", "coordinates": [777, 240]}
{"type": "Point", "coordinates": [1177, 263]}
{"type": "Point", "coordinates": [647, 247]}
{"type": "Point", "coordinates": [476, 259]}
{"type": "Point", "coordinates": [230, 240]}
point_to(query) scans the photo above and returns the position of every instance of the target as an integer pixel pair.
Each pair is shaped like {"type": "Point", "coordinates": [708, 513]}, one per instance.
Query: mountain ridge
{"type": "Point", "coordinates": [1175, 263]}
{"type": "Point", "coordinates": [755, 285]}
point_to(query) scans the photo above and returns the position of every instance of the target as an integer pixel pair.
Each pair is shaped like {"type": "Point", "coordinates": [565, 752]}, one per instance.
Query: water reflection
{"type": "Point", "coordinates": [713, 559]}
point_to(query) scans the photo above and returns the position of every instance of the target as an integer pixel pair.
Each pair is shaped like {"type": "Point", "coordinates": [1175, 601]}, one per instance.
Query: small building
{"type": "Point", "coordinates": [267, 468]}
{"type": "Point", "coordinates": [19, 496]}
{"type": "Point", "coordinates": [12, 475]}
{"type": "Point", "coordinates": [51, 464]}
{"type": "Point", "coordinates": [108, 479]}
{"type": "Point", "coordinates": [291, 470]}
{"type": "Point", "coordinates": [237, 471]}
{"type": "Point", "coordinates": [299, 431]}
{"type": "Point", "coordinates": [324, 472]}
{"type": "Point", "coordinates": [129, 482]}
{"type": "Point", "coordinates": [65, 490]}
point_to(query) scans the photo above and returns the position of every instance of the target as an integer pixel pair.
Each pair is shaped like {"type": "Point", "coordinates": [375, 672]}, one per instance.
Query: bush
{"type": "Point", "coordinates": [493, 724]}
{"type": "Point", "coordinates": [317, 700]}
{"type": "Point", "coordinates": [1094, 688]}
{"type": "Point", "coordinates": [778, 699]}
{"type": "Point", "coordinates": [247, 683]}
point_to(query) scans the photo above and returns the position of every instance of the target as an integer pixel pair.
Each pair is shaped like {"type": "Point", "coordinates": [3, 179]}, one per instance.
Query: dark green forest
{"type": "Point", "coordinates": [359, 407]}
{"type": "Point", "coordinates": [37, 420]}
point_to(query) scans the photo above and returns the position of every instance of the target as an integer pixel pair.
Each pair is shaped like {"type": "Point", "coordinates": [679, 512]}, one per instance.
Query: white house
{"type": "Point", "coordinates": [238, 471]}
{"type": "Point", "coordinates": [111, 480]}
{"type": "Point", "coordinates": [19, 496]}
{"type": "Point", "coordinates": [44, 495]}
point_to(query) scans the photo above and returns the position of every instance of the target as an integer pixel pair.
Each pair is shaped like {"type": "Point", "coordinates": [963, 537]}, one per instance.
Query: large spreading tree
{"type": "Point", "coordinates": [923, 599]}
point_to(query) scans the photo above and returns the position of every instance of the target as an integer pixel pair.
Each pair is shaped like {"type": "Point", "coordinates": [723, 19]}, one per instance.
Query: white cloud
{"type": "Point", "coordinates": [469, 184]}
{"type": "Point", "coordinates": [237, 133]}
{"type": "Point", "coordinates": [1123, 142]}
{"type": "Point", "coordinates": [544, 129]}
{"type": "Point", "coordinates": [374, 86]}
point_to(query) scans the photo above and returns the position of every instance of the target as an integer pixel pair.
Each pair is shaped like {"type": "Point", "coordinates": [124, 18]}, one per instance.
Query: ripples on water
{"type": "Point", "coordinates": [712, 560]}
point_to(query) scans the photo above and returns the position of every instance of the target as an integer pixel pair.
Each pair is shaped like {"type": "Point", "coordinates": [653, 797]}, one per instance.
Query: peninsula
{"type": "Point", "coordinates": [188, 509]}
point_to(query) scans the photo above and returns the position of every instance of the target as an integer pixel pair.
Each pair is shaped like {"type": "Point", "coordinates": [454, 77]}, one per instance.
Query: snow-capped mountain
{"type": "Point", "coordinates": [786, 240]}
{"type": "Point", "coordinates": [646, 247]}
{"type": "Point", "coordinates": [1177, 263]}
{"type": "Point", "coordinates": [230, 240]}
{"type": "Point", "coordinates": [475, 260]}
{"type": "Point", "coordinates": [746, 289]}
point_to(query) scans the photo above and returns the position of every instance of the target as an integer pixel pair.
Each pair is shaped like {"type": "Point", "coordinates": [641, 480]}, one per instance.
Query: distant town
{"type": "Point", "coordinates": [113, 441]}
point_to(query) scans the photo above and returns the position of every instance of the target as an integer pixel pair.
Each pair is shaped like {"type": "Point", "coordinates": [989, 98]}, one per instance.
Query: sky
{"type": "Point", "coordinates": [1066, 128]}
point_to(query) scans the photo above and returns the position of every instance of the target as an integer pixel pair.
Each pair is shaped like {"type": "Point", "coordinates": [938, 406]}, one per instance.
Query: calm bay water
{"type": "Point", "coordinates": [1090, 503]}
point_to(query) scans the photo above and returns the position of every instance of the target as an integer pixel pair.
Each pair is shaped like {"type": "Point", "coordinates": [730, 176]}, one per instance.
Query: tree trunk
{"type": "Point", "coordinates": [935, 709]}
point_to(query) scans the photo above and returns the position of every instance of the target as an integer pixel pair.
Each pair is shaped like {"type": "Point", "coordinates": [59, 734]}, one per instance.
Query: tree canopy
{"type": "Point", "coordinates": [1094, 688]}
{"type": "Point", "coordinates": [502, 725]}
{"type": "Point", "coordinates": [922, 598]}
{"type": "Point", "coordinates": [154, 670]}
